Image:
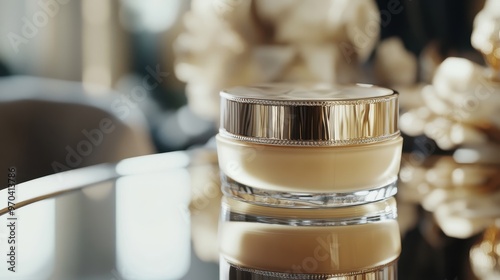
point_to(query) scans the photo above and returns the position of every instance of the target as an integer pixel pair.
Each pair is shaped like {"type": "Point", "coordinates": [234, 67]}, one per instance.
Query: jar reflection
{"type": "Point", "coordinates": [357, 242]}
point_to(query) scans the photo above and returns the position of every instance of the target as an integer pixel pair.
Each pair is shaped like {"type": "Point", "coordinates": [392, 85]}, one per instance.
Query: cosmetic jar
{"type": "Point", "coordinates": [309, 145]}
{"type": "Point", "coordinates": [270, 243]}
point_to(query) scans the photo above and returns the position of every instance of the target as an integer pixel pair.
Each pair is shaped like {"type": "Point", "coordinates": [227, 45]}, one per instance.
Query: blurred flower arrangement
{"type": "Point", "coordinates": [238, 42]}
{"type": "Point", "coordinates": [460, 112]}
{"type": "Point", "coordinates": [456, 104]}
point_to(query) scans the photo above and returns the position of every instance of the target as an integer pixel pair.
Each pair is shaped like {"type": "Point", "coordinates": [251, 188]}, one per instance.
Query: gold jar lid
{"type": "Point", "coordinates": [309, 115]}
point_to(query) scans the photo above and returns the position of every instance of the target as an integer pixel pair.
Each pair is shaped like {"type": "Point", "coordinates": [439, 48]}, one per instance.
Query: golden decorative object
{"type": "Point", "coordinates": [485, 254]}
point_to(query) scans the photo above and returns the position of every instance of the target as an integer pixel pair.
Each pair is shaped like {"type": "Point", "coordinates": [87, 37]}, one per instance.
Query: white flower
{"type": "Point", "coordinates": [239, 42]}
{"type": "Point", "coordinates": [462, 106]}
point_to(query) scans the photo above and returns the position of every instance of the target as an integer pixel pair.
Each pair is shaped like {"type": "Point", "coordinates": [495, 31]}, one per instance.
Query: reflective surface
{"type": "Point", "coordinates": [355, 242]}
{"type": "Point", "coordinates": [144, 218]}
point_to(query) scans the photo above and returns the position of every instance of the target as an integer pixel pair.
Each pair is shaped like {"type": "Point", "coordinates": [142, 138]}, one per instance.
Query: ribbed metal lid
{"type": "Point", "coordinates": [317, 115]}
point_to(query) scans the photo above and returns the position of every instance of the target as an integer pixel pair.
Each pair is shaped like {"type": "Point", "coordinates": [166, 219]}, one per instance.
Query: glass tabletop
{"type": "Point", "coordinates": [155, 217]}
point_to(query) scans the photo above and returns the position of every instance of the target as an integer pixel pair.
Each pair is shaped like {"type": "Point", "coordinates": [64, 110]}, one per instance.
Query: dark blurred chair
{"type": "Point", "coordinates": [48, 125]}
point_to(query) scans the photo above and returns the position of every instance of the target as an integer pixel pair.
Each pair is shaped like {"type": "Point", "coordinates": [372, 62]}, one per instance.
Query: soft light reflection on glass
{"type": "Point", "coordinates": [37, 189]}
{"type": "Point", "coordinates": [152, 225]}
{"type": "Point", "coordinates": [35, 242]}
{"type": "Point", "coordinates": [364, 85]}
{"type": "Point", "coordinates": [98, 192]}
{"type": "Point", "coordinates": [153, 163]}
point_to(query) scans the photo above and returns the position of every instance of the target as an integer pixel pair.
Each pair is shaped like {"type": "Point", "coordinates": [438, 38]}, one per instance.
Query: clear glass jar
{"type": "Point", "coordinates": [309, 146]}
{"type": "Point", "coordinates": [355, 242]}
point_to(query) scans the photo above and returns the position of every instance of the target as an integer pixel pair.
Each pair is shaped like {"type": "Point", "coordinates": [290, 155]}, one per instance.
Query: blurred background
{"type": "Point", "coordinates": [105, 45]}
{"type": "Point", "coordinates": [115, 43]}
{"type": "Point", "coordinates": [147, 73]}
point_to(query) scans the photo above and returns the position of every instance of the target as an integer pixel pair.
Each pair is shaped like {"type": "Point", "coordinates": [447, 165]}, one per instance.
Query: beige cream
{"type": "Point", "coordinates": [311, 169]}
{"type": "Point", "coordinates": [310, 249]}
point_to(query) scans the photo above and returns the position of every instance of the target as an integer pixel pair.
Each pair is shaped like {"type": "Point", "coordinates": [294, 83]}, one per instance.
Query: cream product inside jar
{"type": "Point", "coordinates": [355, 242]}
{"type": "Point", "coordinates": [309, 145]}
